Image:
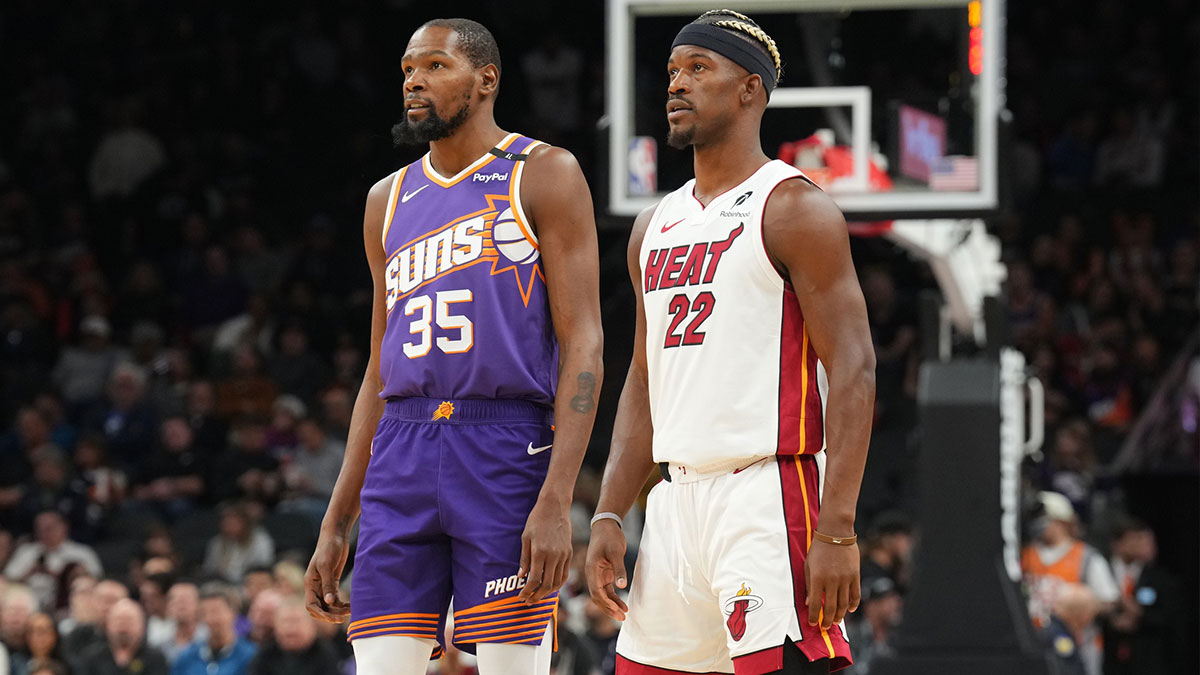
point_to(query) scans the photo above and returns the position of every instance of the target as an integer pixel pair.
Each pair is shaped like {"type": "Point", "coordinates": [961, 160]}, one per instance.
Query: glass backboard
{"type": "Point", "coordinates": [892, 106]}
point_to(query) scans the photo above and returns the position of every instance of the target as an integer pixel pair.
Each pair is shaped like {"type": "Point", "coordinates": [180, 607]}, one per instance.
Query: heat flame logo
{"type": "Point", "coordinates": [741, 604]}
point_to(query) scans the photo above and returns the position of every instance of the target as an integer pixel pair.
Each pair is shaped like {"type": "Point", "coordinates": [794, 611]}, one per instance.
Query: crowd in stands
{"type": "Point", "coordinates": [184, 310]}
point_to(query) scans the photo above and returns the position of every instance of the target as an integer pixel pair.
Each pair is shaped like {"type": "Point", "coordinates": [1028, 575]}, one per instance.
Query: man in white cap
{"type": "Point", "coordinates": [1057, 558]}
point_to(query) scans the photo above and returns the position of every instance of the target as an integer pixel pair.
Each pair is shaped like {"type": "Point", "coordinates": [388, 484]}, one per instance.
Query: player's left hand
{"type": "Point", "coordinates": [545, 550]}
{"type": "Point", "coordinates": [833, 584]}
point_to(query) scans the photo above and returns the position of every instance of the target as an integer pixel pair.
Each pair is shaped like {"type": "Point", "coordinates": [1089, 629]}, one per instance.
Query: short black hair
{"type": "Point", "coordinates": [1129, 524]}
{"type": "Point", "coordinates": [474, 39]}
{"type": "Point", "coordinates": [220, 590]}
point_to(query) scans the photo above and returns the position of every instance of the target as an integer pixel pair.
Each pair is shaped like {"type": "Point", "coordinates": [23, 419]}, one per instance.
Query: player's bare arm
{"type": "Point", "coordinates": [807, 239]}
{"type": "Point", "coordinates": [559, 204]}
{"type": "Point", "coordinates": [630, 458]}
{"type": "Point", "coordinates": [333, 544]}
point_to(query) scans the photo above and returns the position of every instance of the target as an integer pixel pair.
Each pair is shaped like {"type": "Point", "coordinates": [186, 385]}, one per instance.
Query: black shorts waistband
{"type": "Point", "coordinates": [466, 411]}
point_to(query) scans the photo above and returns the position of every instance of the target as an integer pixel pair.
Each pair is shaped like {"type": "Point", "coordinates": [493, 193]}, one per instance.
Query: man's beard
{"type": "Point", "coordinates": [681, 138]}
{"type": "Point", "coordinates": [124, 640]}
{"type": "Point", "coordinates": [432, 128]}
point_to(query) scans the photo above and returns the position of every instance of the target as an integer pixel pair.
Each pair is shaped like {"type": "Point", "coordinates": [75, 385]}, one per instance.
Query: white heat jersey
{"type": "Point", "coordinates": [732, 373]}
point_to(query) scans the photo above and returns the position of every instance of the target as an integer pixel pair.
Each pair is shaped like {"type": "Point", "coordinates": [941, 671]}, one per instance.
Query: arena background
{"type": "Point", "coordinates": [184, 302]}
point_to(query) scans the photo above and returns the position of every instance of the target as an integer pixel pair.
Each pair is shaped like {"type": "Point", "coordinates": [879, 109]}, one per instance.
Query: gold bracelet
{"type": "Point", "coordinates": [836, 541]}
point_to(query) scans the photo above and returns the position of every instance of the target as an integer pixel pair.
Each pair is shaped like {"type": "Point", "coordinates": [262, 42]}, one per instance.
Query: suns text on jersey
{"type": "Point", "coordinates": [427, 259]}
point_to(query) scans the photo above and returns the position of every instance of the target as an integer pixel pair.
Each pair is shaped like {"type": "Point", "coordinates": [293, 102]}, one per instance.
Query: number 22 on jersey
{"type": "Point", "coordinates": [680, 306]}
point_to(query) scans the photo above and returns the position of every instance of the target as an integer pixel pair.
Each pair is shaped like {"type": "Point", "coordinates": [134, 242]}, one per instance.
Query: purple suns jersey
{"type": "Point", "coordinates": [468, 315]}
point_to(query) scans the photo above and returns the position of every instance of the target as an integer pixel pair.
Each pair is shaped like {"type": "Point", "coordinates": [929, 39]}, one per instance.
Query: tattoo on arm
{"type": "Point", "coordinates": [583, 401]}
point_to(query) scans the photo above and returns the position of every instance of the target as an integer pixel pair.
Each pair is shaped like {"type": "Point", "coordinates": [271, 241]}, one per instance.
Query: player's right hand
{"type": "Point", "coordinates": [606, 568]}
{"type": "Point", "coordinates": [321, 579]}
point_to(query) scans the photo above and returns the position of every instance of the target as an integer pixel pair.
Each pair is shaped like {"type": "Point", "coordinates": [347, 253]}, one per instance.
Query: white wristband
{"type": "Point", "coordinates": [609, 515]}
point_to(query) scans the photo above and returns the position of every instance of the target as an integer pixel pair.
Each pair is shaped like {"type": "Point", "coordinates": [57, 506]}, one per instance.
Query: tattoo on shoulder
{"type": "Point", "coordinates": [584, 401]}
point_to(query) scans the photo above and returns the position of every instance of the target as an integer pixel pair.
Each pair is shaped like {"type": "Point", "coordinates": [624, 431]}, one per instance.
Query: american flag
{"type": "Point", "coordinates": [954, 173]}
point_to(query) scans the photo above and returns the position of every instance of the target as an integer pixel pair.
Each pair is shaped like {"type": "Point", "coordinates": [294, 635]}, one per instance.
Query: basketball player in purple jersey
{"type": "Point", "coordinates": [753, 357]}
{"type": "Point", "coordinates": [480, 392]}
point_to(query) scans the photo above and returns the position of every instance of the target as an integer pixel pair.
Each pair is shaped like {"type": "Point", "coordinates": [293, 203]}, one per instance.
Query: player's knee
{"type": "Point", "coordinates": [392, 655]}
{"type": "Point", "coordinates": [501, 659]}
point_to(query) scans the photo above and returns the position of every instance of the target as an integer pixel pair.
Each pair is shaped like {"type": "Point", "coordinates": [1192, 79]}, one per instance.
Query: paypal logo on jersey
{"type": "Point", "coordinates": [488, 177]}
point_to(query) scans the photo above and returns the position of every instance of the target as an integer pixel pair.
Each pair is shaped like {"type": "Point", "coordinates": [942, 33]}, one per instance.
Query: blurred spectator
{"type": "Point", "coordinates": [296, 369]}
{"type": "Point", "coordinates": [1073, 154]}
{"type": "Point", "coordinates": [260, 266]}
{"type": "Point", "coordinates": [255, 581]}
{"type": "Point", "coordinates": [879, 613]}
{"type": "Point", "coordinates": [1146, 633]}
{"type": "Point", "coordinates": [105, 485]}
{"type": "Point", "coordinates": [223, 653]}
{"type": "Point", "coordinates": [1030, 311]}
{"type": "Point", "coordinates": [337, 405]}
{"type": "Point", "coordinates": [312, 470]}
{"type": "Point", "coordinates": [247, 469]}
{"type": "Point", "coordinates": [143, 297]}
{"type": "Point", "coordinates": [602, 637]}
{"type": "Point", "coordinates": [152, 594]}
{"type": "Point", "coordinates": [62, 430]}
{"type": "Point", "coordinates": [17, 606]}
{"type": "Point", "coordinates": [295, 649]}
{"type": "Point", "coordinates": [246, 391]}
{"type": "Point", "coordinates": [42, 638]}
{"type": "Point", "coordinates": [48, 563]}
{"type": "Point", "coordinates": [208, 430]}
{"type": "Point", "coordinates": [82, 372]}
{"type": "Point", "coordinates": [285, 414]}
{"type": "Point", "coordinates": [254, 328]}
{"type": "Point", "coordinates": [1057, 559]}
{"type": "Point", "coordinates": [574, 655]}
{"type": "Point", "coordinates": [239, 546]}
{"type": "Point", "coordinates": [124, 651]}
{"type": "Point", "coordinates": [261, 615]}
{"type": "Point", "coordinates": [1072, 464]}
{"type": "Point", "coordinates": [172, 478]}
{"type": "Point", "coordinates": [1130, 155]}
{"type": "Point", "coordinates": [288, 575]}
{"type": "Point", "coordinates": [892, 331]}
{"type": "Point", "coordinates": [127, 155]}
{"type": "Point", "coordinates": [52, 488]}
{"type": "Point", "coordinates": [213, 296]}
{"type": "Point", "coordinates": [183, 615]}
{"type": "Point", "coordinates": [30, 435]}
{"type": "Point", "coordinates": [125, 417]}
{"type": "Point", "coordinates": [1067, 631]}
{"type": "Point", "coordinates": [6, 549]}
{"type": "Point", "coordinates": [552, 73]}
{"type": "Point", "coordinates": [888, 549]}
{"type": "Point", "coordinates": [105, 595]}
{"type": "Point", "coordinates": [82, 607]}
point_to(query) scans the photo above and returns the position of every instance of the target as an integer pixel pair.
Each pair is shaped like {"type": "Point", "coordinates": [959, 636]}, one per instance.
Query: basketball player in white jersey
{"type": "Point", "coordinates": [753, 358]}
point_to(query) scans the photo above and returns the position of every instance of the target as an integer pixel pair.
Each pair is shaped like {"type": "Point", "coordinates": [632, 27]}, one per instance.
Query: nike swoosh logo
{"type": "Point", "coordinates": [409, 195]}
{"type": "Point", "coordinates": [667, 227]}
{"type": "Point", "coordinates": [747, 466]}
{"type": "Point", "coordinates": [533, 451]}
